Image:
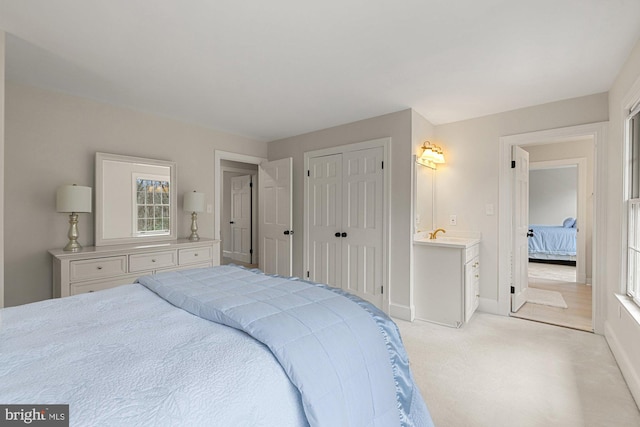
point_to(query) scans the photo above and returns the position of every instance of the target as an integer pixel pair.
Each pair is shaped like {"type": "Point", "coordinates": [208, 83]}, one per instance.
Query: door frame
{"type": "Point", "coordinates": [581, 206]}
{"type": "Point", "coordinates": [385, 143]}
{"type": "Point", "coordinates": [220, 155]}
{"type": "Point", "coordinates": [596, 131]}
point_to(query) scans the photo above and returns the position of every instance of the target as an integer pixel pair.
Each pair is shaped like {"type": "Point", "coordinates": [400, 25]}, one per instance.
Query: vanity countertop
{"type": "Point", "coordinates": [445, 241]}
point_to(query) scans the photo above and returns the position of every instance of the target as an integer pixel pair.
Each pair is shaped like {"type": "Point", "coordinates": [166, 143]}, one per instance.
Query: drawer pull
{"type": "Point", "coordinates": [99, 268]}
{"type": "Point", "coordinates": [153, 260]}
{"type": "Point", "coordinates": [196, 254]}
{"type": "Point", "coordinates": [477, 276]}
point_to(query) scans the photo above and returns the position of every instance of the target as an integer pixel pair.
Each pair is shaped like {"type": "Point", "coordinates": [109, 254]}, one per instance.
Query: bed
{"type": "Point", "coordinates": [215, 346]}
{"type": "Point", "coordinates": [553, 243]}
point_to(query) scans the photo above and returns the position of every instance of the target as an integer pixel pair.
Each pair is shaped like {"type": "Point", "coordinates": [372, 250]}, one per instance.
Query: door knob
{"type": "Point", "coordinates": [337, 234]}
{"type": "Point", "coordinates": [344, 234]}
{"type": "Point", "coordinates": [231, 222]}
{"type": "Point", "coordinates": [286, 232]}
{"type": "Point", "coordinates": [530, 233]}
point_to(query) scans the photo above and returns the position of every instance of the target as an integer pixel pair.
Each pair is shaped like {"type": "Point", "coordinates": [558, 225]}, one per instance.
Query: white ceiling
{"type": "Point", "coordinates": [278, 68]}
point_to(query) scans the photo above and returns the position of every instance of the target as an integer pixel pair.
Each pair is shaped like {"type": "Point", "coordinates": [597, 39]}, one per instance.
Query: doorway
{"type": "Point", "coordinates": [243, 249]}
{"type": "Point", "coordinates": [592, 132]}
{"type": "Point", "coordinates": [239, 233]}
{"type": "Point", "coordinates": [560, 230]}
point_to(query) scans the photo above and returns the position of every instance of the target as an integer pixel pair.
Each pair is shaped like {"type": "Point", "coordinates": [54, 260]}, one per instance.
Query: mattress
{"type": "Point", "coordinates": [552, 242]}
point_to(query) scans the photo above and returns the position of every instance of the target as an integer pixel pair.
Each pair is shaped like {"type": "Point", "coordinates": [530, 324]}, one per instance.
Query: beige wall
{"type": "Point", "coordinates": [572, 150]}
{"type": "Point", "coordinates": [621, 329]}
{"type": "Point", "coordinates": [2, 102]}
{"type": "Point", "coordinates": [469, 180]}
{"type": "Point", "coordinates": [398, 127]}
{"type": "Point", "coordinates": [52, 138]}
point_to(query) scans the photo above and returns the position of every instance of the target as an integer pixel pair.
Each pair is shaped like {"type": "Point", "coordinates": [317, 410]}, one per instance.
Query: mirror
{"type": "Point", "coordinates": [135, 200]}
{"type": "Point", "coordinates": [424, 197]}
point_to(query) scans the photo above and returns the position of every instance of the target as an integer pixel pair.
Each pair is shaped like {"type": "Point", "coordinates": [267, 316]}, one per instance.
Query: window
{"type": "Point", "coordinates": [152, 203]}
{"type": "Point", "coordinates": [633, 220]}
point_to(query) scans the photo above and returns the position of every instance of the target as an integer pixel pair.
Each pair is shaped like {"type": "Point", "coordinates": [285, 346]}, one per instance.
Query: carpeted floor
{"type": "Point", "coordinates": [501, 371]}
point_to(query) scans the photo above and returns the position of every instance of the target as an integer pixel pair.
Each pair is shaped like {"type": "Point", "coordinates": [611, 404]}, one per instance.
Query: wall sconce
{"type": "Point", "coordinates": [73, 199]}
{"type": "Point", "coordinates": [194, 203]}
{"type": "Point", "coordinates": [431, 155]}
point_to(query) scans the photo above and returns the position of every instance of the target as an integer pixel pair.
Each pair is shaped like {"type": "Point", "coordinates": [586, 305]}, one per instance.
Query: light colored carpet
{"type": "Point", "coordinates": [498, 371]}
{"type": "Point", "coordinates": [544, 297]}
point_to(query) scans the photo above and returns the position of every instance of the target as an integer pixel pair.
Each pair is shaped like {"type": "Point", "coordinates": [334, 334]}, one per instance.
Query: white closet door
{"type": "Point", "coordinates": [275, 227]}
{"type": "Point", "coordinates": [325, 219]}
{"type": "Point", "coordinates": [241, 218]}
{"type": "Point", "coordinates": [362, 203]}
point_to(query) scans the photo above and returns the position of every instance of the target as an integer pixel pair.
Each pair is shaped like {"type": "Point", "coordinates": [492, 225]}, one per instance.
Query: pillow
{"type": "Point", "coordinates": [569, 222]}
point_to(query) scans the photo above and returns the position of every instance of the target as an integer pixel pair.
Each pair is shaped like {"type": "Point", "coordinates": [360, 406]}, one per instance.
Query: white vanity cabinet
{"type": "Point", "coordinates": [103, 267]}
{"type": "Point", "coordinates": [446, 281]}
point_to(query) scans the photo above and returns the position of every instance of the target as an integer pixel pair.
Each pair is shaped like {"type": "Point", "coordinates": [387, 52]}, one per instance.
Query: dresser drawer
{"type": "Point", "coordinates": [83, 288]}
{"type": "Point", "coordinates": [194, 255]}
{"type": "Point", "coordinates": [97, 268]}
{"type": "Point", "coordinates": [152, 261]}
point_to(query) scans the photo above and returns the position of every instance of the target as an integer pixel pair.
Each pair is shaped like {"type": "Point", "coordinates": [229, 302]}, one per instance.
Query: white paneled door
{"type": "Point", "coordinates": [275, 226]}
{"type": "Point", "coordinates": [345, 235]}
{"type": "Point", "coordinates": [325, 219]}
{"type": "Point", "coordinates": [520, 228]}
{"type": "Point", "coordinates": [240, 220]}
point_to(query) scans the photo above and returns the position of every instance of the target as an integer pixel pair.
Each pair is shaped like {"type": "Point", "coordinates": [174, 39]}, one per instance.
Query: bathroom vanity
{"type": "Point", "coordinates": [446, 281]}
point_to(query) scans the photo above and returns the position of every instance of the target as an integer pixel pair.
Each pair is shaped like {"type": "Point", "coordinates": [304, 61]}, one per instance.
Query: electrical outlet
{"type": "Point", "coordinates": [453, 220]}
{"type": "Point", "coordinates": [418, 219]}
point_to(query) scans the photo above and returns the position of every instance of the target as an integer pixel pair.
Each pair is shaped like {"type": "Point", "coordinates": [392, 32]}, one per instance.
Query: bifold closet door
{"type": "Point", "coordinates": [345, 222]}
{"type": "Point", "coordinates": [325, 219]}
{"type": "Point", "coordinates": [362, 205]}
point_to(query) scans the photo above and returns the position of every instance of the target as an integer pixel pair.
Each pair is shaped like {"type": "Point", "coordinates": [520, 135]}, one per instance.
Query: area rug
{"type": "Point", "coordinates": [543, 297]}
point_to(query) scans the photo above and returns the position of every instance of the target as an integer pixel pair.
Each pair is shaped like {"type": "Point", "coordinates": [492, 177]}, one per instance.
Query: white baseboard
{"type": "Point", "coordinates": [626, 366]}
{"type": "Point", "coordinates": [226, 254]}
{"type": "Point", "coordinates": [401, 312]}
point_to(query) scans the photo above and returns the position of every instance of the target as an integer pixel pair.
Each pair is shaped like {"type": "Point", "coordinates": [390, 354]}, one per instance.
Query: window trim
{"type": "Point", "coordinates": [632, 202]}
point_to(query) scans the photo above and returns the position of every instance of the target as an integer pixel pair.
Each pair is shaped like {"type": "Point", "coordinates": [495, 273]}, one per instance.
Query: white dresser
{"type": "Point", "coordinates": [103, 267]}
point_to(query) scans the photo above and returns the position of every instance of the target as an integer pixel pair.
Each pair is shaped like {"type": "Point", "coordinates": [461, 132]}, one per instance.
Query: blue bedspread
{"type": "Point", "coordinates": [344, 356]}
{"type": "Point", "coordinates": [552, 240]}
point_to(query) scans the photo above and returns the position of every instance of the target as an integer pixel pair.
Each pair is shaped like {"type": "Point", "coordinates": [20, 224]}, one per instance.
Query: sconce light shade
{"type": "Point", "coordinates": [431, 154]}
{"type": "Point", "coordinates": [193, 202]}
{"type": "Point", "coordinates": [73, 198]}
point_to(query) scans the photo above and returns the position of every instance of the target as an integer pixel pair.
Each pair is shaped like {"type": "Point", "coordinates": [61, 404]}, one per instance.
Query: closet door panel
{"type": "Point", "coordinates": [325, 219]}
{"type": "Point", "coordinates": [363, 214]}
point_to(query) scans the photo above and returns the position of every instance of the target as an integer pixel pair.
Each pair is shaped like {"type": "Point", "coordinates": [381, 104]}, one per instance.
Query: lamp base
{"type": "Point", "coordinates": [73, 245]}
{"type": "Point", "coordinates": [194, 227]}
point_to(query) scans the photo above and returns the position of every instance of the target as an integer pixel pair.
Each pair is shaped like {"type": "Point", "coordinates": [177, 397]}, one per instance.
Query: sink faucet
{"type": "Point", "coordinates": [433, 235]}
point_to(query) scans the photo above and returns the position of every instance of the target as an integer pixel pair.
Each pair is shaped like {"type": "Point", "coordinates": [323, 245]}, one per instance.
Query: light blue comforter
{"type": "Point", "coordinates": [344, 356]}
{"type": "Point", "coordinates": [552, 240]}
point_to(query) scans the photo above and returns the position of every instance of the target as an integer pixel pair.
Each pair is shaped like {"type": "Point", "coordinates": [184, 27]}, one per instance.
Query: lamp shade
{"type": "Point", "coordinates": [193, 202]}
{"type": "Point", "coordinates": [73, 198]}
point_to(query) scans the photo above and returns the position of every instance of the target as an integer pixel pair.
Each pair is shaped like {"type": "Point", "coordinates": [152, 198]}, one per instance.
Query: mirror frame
{"type": "Point", "coordinates": [100, 240]}
{"type": "Point", "coordinates": [417, 164]}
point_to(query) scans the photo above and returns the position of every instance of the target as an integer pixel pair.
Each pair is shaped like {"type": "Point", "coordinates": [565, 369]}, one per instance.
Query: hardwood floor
{"type": "Point", "coordinates": [577, 296]}
{"type": "Point", "coordinates": [226, 261]}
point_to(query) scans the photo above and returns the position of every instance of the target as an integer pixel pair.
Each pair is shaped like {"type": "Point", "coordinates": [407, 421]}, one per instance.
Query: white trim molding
{"type": "Point", "coordinates": [598, 133]}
